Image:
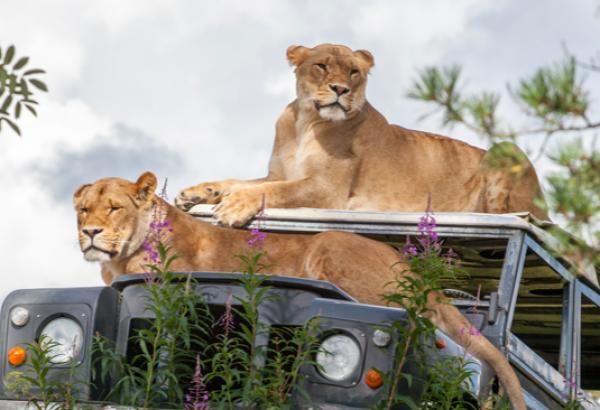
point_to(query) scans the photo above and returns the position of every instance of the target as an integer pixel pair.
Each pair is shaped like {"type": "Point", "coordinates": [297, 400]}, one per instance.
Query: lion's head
{"type": "Point", "coordinates": [331, 79]}
{"type": "Point", "coordinates": [113, 216]}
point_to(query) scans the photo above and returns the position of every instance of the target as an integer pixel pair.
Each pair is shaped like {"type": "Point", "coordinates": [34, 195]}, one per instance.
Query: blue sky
{"type": "Point", "coordinates": [191, 90]}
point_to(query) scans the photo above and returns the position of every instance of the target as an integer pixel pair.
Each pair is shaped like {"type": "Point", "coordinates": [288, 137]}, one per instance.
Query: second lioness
{"type": "Point", "coordinates": [334, 150]}
{"type": "Point", "coordinates": [115, 217]}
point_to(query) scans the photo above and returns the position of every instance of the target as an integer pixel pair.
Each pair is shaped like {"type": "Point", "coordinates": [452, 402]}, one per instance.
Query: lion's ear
{"type": "Point", "coordinates": [79, 192]}
{"type": "Point", "coordinates": [145, 186]}
{"type": "Point", "coordinates": [365, 57]}
{"type": "Point", "coordinates": [297, 54]}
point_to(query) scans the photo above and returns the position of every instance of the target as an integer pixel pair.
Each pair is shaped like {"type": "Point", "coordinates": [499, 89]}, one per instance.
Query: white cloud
{"type": "Point", "coordinates": [281, 85]}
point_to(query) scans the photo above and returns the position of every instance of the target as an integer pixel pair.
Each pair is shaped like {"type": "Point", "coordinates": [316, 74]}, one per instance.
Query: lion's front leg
{"type": "Point", "coordinates": [239, 206]}
{"type": "Point", "coordinates": [211, 192]}
{"type": "Point", "coordinates": [205, 193]}
{"type": "Point", "coordinates": [242, 204]}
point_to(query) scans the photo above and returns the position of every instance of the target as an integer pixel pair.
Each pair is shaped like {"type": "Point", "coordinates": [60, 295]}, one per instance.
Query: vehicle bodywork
{"type": "Point", "coordinates": [511, 270]}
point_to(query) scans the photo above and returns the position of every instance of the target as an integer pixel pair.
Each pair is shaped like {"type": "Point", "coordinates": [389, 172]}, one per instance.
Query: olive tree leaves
{"type": "Point", "coordinates": [18, 86]}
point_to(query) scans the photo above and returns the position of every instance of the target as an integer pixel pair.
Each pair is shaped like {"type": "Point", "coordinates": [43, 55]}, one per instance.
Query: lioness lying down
{"type": "Point", "coordinates": [113, 218]}
{"type": "Point", "coordinates": [334, 150]}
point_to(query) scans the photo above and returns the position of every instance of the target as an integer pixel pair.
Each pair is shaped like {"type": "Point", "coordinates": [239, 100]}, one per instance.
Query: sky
{"type": "Point", "coordinates": [191, 90]}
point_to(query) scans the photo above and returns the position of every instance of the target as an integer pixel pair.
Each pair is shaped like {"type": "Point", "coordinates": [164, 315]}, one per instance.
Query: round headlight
{"type": "Point", "coordinates": [19, 316]}
{"type": "Point", "coordinates": [338, 357]}
{"type": "Point", "coordinates": [381, 338]}
{"type": "Point", "coordinates": [67, 336]}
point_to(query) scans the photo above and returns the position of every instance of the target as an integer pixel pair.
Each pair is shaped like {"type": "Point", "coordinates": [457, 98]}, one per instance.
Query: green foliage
{"type": "Point", "coordinates": [16, 386]}
{"type": "Point", "coordinates": [553, 100]}
{"type": "Point", "coordinates": [439, 85]}
{"type": "Point", "coordinates": [414, 290]}
{"type": "Point", "coordinates": [235, 370]}
{"type": "Point", "coordinates": [37, 382]}
{"type": "Point", "coordinates": [156, 376]}
{"type": "Point", "coordinates": [574, 196]}
{"type": "Point", "coordinates": [444, 387]}
{"type": "Point", "coordinates": [554, 96]}
{"type": "Point", "coordinates": [17, 88]}
{"type": "Point", "coordinates": [554, 93]}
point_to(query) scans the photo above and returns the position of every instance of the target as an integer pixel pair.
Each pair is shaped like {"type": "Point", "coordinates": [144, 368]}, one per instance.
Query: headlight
{"type": "Point", "coordinates": [19, 316]}
{"type": "Point", "coordinates": [69, 338]}
{"type": "Point", "coordinates": [338, 357]}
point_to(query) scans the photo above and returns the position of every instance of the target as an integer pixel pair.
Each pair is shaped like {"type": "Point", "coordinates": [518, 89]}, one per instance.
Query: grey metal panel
{"type": "Point", "coordinates": [549, 259]}
{"type": "Point", "coordinates": [94, 309]}
{"type": "Point", "coordinates": [577, 337]}
{"type": "Point", "coordinates": [532, 364]}
{"type": "Point", "coordinates": [567, 337]}
{"type": "Point", "coordinates": [511, 286]}
{"type": "Point", "coordinates": [586, 400]}
{"type": "Point", "coordinates": [537, 369]}
{"type": "Point", "coordinates": [511, 272]}
{"type": "Point", "coordinates": [589, 292]}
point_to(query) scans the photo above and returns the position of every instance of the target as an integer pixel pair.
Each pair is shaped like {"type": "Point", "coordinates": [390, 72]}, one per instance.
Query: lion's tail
{"type": "Point", "coordinates": [449, 319]}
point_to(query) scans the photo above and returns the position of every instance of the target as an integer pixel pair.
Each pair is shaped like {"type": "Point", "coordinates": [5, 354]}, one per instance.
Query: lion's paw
{"type": "Point", "coordinates": [237, 208]}
{"type": "Point", "coordinates": [207, 193]}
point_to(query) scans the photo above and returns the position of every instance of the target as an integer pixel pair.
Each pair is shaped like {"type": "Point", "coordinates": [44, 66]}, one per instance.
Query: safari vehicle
{"type": "Point", "coordinates": [527, 302]}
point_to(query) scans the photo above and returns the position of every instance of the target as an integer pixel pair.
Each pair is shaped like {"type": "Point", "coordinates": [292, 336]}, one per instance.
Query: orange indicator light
{"type": "Point", "coordinates": [440, 343]}
{"type": "Point", "coordinates": [17, 356]}
{"type": "Point", "coordinates": [373, 379]}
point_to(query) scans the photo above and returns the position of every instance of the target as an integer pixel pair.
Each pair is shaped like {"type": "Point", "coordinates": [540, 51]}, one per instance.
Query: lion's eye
{"type": "Point", "coordinates": [114, 208]}
{"type": "Point", "coordinates": [322, 66]}
{"type": "Point", "coordinates": [354, 72]}
{"type": "Point", "coordinates": [84, 210]}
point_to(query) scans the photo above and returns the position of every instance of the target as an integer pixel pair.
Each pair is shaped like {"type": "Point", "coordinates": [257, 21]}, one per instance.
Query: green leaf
{"type": "Point", "coordinates": [21, 63]}
{"type": "Point", "coordinates": [17, 110]}
{"type": "Point", "coordinates": [12, 83]}
{"type": "Point", "coordinates": [40, 85]}
{"type": "Point", "coordinates": [34, 71]}
{"type": "Point", "coordinates": [31, 109]}
{"type": "Point", "coordinates": [10, 53]}
{"type": "Point", "coordinates": [6, 104]}
{"type": "Point", "coordinates": [24, 91]}
{"type": "Point", "coordinates": [3, 77]}
{"type": "Point", "coordinates": [12, 125]}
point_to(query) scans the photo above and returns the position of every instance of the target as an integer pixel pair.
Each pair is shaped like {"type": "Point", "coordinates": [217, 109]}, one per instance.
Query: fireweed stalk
{"type": "Point", "coordinates": [236, 361]}
{"type": "Point", "coordinates": [252, 375]}
{"type": "Point", "coordinates": [197, 397]}
{"type": "Point", "coordinates": [427, 264]}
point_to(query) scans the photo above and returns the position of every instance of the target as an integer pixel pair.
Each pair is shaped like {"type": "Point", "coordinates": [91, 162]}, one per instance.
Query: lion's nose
{"type": "Point", "coordinates": [91, 232]}
{"type": "Point", "coordinates": [339, 89]}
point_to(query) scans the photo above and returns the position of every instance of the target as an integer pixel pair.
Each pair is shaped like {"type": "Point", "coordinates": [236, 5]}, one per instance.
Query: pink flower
{"type": "Point", "coordinates": [157, 233]}
{"type": "Point", "coordinates": [258, 238]}
{"type": "Point", "coordinates": [227, 321]}
{"type": "Point", "coordinates": [409, 250]}
{"type": "Point", "coordinates": [197, 398]}
{"type": "Point", "coordinates": [428, 237]}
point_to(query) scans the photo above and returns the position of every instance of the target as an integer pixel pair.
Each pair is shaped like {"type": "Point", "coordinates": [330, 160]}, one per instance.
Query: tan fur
{"type": "Point", "coordinates": [348, 156]}
{"type": "Point", "coordinates": [120, 212]}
